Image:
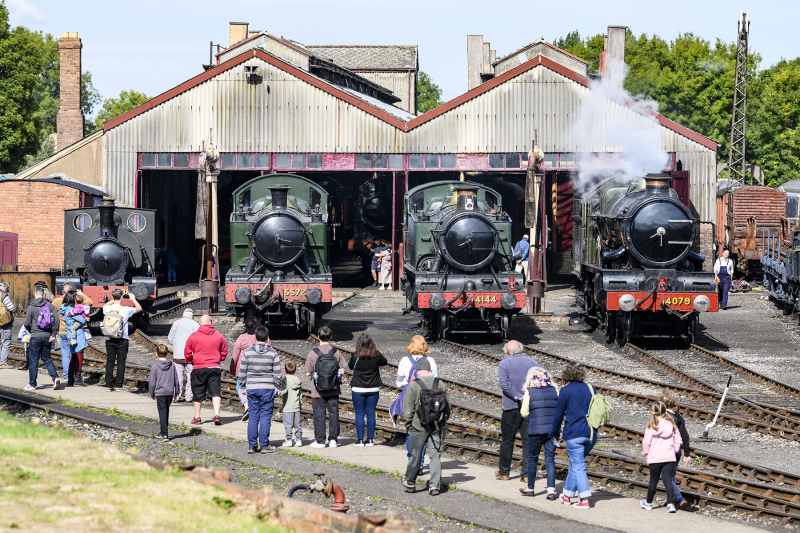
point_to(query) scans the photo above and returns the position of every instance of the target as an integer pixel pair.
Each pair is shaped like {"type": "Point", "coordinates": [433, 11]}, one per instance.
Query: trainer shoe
{"type": "Point", "coordinates": [298, 443]}
{"type": "Point", "coordinates": [671, 508]}
{"type": "Point", "coordinates": [646, 506]}
{"type": "Point", "coordinates": [369, 443]}
{"type": "Point", "coordinates": [246, 416]}
{"type": "Point", "coordinates": [252, 450]}
{"type": "Point", "coordinates": [56, 383]}
{"type": "Point", "coordinates": [407, 485]}
{"type": "Point", "coordinates": [316, 444]}
{"type": "Point", "coordinates": [29, 388]}
{"type": "Point", "coordinates": [217, 421]}
{"type": "Point", "coordinates": [359, 443]}
{"type": "Point", "coordinates": [582, 505]}
{"type": "Point", "coordinates": [565, 500]}
{"type": "Point", "coordinates": [682, 504]}
{"type": "Point", "coordinates": [332, 443]}
{"type": "Point", "coordinates": [286, 444]}
{"type": "Point", "coordinates": [196, 420]}
{"type": "Point", "coordinates": [165, 438]}
{"type": "Point", "coordinates": [433, 492]}
{"type": "Point", "coordinates": [382, 288]}
{"type": "Point", "coordinates": [268, 449]}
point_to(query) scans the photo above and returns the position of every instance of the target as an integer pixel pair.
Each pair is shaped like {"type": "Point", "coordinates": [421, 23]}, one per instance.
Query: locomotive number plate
{"type": "Point", "coordinates": [678, 301]}
{"type": "Point", "coordinates": [294, 292]}
{"type": "Point", "coordinates": [485, 299]}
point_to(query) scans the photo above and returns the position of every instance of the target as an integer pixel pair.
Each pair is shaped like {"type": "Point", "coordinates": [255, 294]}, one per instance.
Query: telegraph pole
{"type": "Point", "coordinates": [736, 170]}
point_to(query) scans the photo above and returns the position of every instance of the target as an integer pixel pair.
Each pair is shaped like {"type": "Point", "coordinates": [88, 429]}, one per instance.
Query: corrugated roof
{"type": "Point", "coordinates": [30, 171]}
{"type": "Point", "coordinates": [370, 57]}
{"type": "Point", "coordinates": [534, 43]}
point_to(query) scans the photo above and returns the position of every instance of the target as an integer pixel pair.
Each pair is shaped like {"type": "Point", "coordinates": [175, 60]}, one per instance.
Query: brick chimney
{"type": "Point", "coordinates": [238, 32]}
{"type": "Point", "coordinates": [69, 124]}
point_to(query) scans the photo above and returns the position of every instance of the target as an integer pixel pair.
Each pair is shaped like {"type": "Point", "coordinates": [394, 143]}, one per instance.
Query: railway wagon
{"type": "Point", "coordinates": [637, 274]}
{"type": "Point", "coordinates": [279, 251]}
{"type": "Point", "coordinates": [457, 270]}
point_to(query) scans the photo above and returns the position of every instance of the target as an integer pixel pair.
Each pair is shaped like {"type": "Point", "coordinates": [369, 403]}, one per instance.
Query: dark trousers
{"type": "Point", "coordinates": [319, 406]}
{"type": "Point", "coordinates": [40, 348]}
{"type": "Point", "coordinates": [512, 422]}
{"type": "Point", "coordinates": [260, 403]}
{"type": "Point", "coordinates": [535, 445]}
{"type": "Point", "coordinates": [116, 351]}
{"type": "Point", "coordinates": [163, 403]}
{"type": "Point", "coordinates": [666, 471]}
{"type": "Point", "coordinates": [724, 286]}
{"type": "Point", "coordinates": [75, 366]}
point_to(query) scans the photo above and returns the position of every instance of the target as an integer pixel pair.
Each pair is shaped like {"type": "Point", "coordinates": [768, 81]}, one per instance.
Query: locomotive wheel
{"type": "Point", "coordinates": [624, 330]}
{"type": "Point", "coordinates": [311, 320]}
{"type": "Point", "coordinates": [611, 326]}
{"type": "Point", "coordinates": [691, 329]}
{"type": "Point", "coordinates": [504, 325]}
{"type": "Point", "coordinates": [441, 324]}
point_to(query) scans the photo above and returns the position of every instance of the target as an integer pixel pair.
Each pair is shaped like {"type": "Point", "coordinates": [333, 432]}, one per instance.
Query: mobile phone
{"type": "Point", "coordinates": [555, 441]}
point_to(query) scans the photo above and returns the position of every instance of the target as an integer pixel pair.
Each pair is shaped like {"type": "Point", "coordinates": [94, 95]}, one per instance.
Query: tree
{"type": "Point", "coordinates": [429, 95]}
{"type": "Point", "coordinates": [113, 107]}
{"type": "Point", "coordinates": [588, 51]}
{"type": "Point", "coordinates": [20, 64]}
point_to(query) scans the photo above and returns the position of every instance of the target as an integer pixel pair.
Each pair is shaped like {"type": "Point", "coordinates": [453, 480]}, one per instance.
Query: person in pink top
{"type": "Point", "coordinates": [243, 342]}
{"type": "Point", "coordinates": [660, 444]}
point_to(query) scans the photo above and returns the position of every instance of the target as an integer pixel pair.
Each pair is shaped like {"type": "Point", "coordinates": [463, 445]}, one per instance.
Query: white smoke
{"type": "Point", "coordinates": [634, 136]}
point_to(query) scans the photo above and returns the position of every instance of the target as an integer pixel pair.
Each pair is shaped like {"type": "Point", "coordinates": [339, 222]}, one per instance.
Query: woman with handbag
{"type": "Point", "coordinates": [365, 385]}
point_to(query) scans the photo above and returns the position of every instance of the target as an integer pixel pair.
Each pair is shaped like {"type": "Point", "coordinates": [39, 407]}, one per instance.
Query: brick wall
{"type": "Point", "coordinates": [38, 220]}
{"type": "Point", "coordinates": [705, 245]}
{"type": "Point", "coordinates": [69, 122]}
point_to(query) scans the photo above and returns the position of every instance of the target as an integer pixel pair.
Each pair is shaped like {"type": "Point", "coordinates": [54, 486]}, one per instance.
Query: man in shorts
{"type": "Point", "coordinates": [206, 349]}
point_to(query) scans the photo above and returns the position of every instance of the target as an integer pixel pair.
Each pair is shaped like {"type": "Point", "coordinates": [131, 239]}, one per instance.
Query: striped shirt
{"type": "Point", "coordinates": [260, 368]}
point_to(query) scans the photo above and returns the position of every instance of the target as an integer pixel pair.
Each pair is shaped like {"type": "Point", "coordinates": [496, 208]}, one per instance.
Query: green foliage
{"type": "Point", "coordinates": [429, 95]}
{"type": "Point", "coordinates": [588, 50]}
{"type": "Point", "coordinates": [113, 107]}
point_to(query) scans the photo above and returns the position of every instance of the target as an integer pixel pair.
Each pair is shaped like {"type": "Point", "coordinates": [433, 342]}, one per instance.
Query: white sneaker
{"type": "Point", "coordinates": [332, 443]}
{"type": "Point", "coordinates": [286, 444]}
{"type": "Point", "coordinates": [316, 444]}
{"type": "Point", "coordinates": [382, 288]}
{"type": "Point", "coordinates": [57, 384]}
{"type": "Point", "coordinates": [29, 388]}
{"type": "Point", "coordinates": [298, 443]}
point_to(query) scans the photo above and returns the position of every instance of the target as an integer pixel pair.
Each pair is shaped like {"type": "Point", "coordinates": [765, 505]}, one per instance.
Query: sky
{"type": "Point", "coordinates": [151, 46]}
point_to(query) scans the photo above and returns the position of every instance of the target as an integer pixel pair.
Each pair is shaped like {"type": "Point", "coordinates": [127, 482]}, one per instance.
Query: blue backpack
{"type": "Point", "coordinates": [45, 318]}
{"type": "Point", "coordinates": [396, 410]}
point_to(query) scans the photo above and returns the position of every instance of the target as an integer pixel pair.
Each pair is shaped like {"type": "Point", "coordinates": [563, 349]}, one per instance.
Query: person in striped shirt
{"type": "Point", "coordinates": [260, 374]}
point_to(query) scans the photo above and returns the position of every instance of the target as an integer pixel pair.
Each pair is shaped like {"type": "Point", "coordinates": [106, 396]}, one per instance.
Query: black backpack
{"type": "Point", "coordinates": [432, 403]}
{"type": "Point", "coordinates": [326, 371]}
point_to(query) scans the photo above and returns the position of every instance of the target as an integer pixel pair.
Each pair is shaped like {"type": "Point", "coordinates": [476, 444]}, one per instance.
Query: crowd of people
{"type": "Point", "coordinates": [533, 405]}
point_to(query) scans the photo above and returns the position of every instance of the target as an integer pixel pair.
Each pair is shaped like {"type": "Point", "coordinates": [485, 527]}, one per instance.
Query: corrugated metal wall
{"type": "Point", "coordinates": [401, 83]}
{"type": "Point", "coordinates": [286, 114]}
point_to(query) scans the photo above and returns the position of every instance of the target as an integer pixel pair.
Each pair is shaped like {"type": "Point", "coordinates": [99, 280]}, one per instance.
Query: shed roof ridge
{"type": "Point", "coordinates": [539, 41]}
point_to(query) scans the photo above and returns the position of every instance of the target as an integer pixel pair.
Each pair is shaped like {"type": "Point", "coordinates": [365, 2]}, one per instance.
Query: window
{"type": "Point", "coordinates": [363, 161]}
{"type": "Point", "coordinates": [380, 161]}
{"type": "Point", "coordinates": [283, 160]}
{"type": "Point", "coordinates": [395, 161]}
{"type": "Point", "coordinates": [136, 222]}
{"type": "Point", "coordinates": [245, 160]}
{"type": "Point", "coordinates": [164, 160]}
{"type": "Point", "coordinates": [298, 160]}
{"type": "Point", "coordinates": [148, 160]}
{"type": "Point", "coordinates": [180, 160]}
{"type": "Point", "coordinates": [262, 161]}
{"type": "Point", "coordinates": [550, 161]}
{"type": "Point", "coordinates": [512, 160]}
{"type": "Point", "coordinates": [314, 160]}
{"type": "Point", "coordinates": [496, 161]}
{"type": "Point", "coordinates": [448, 160]}
{"type": "Point", "coordinates": [416, 161]}
{"type": "Point", "coordinates": [431, 160]}
{"type": "Point", "coordinates": [227, 161]}
{"type": "Point", "coordinates": [82, 222]}
{"type": "Point", "coordinates": [314, 197]}
{"type": "Point", "coordinates": [566, 160]}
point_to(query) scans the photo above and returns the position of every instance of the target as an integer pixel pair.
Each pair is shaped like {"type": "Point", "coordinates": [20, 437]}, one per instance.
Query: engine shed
{"type": "Point", "coordinates": [269, 104]}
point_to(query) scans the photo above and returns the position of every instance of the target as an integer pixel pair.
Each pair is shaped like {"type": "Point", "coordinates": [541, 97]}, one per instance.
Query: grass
{"type": "Point", "coordinates": [54, 480]}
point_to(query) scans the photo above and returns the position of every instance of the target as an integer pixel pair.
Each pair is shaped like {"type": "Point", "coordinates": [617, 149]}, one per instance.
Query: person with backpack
{"type": "Point", "coordinates": [668, 397]}
{"type": "Point", "coordinates": [115, 328]}
{"type": "Point", "coordinates": [365, 386]}
{"type": "Point", "coordinates": [426, 409]}
{"type": "Point", "coordinates": [512, 371]}
{"type": "Point", "coordinates": [661, 444]}
{"type": "Point", "coordinates": [416, 349]}
{"type": "Point", "coordinates": [42, 321]}
{"type": "Point", "coordinates": [539, 406]}
{"type": "Point", "coordinates": [260, 374]}
{"type": "Point", "coordinates": [572, 409]}
{"type": "Point", "coordinates": [68, 362]}
{"type": "Point", "coordinates": [206, 348]}
{"type": "Point", "coordinates": [521, 251]}
{"type": "Point", "coordinates": [325, 364]}
{"type": "Point", "coordinates": [6, 324]}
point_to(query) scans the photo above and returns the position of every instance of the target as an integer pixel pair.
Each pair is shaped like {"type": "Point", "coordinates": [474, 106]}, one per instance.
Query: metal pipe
{"type": "Point", "coordinates": [338, 504]}
{"type": "Point", "coordinates": [302, 486]}
{"type": "Point", "coordinates": [719, 408]}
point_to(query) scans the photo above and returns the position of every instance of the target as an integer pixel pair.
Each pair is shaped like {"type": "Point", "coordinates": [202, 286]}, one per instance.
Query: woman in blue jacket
{"type": "Point", "coordinates": [539, 405]}
{"type": "Point", "coordinates": [579, 438]}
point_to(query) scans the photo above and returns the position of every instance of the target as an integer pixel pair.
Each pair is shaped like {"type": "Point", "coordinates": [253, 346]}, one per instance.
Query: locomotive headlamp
{"type": "Point", "coordinates": [702, 303]}
{"type": "Point", "coordinates": [436, 301]}
{"type": "Point", "coordinates": [242, 295]}
{"type": "Point", "coordinates": [313, 295]}
{"type": "Point", "coordinates": [508, 301]}
{"type": "Point", "coordinates": [627, 302]}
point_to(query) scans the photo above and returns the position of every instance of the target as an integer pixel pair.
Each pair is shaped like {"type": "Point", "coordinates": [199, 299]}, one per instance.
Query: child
{"type": "Point", "coordinates": [291, 391]}
{"type": "Point", "coordinates": [386, 268]}
{"type": "Point", "coordinates": [669, 401]}
{"type": "Point", "coordinates": [164, 387]}
{"type": "Point", "coordinates": [80, 316]}
{"type": "Point", "coordinates": [661, 443]}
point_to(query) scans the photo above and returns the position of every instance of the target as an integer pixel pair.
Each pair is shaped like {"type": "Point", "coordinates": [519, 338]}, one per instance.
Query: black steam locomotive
{"type": "Point", "coordinates": [457, 259]}
{"type": "Point", "coordinates": [279, 253]}
{"type": "Point", "coordinates": [109, 247]}
{"type": "Point", "coordinates": [637, 273]}
{"type": "Point", "coordinates": [372, 217]}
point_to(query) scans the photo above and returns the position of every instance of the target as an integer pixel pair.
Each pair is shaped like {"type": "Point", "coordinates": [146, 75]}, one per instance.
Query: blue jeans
{"type": "Point", "coordinates": [408, 451]}
{"type": "Point", "coordinates": [40, 348]}
{"type": "Point", "coordinates": [260, 404]}
{"type": "Point", "coordinates": [577, 480]}
{"type": "Point", "coordinates": [171, 278]}
{"type": "Point", "coordinates": [63, 340]}
{"type": "Point", "coordinates": [364, 403]}
{"type": "Point", "coordinates": [675, 489]}
{"type": "Point", "coordinates": [535, 444]}
{"type": "Point", "coordinates": [239, 392]}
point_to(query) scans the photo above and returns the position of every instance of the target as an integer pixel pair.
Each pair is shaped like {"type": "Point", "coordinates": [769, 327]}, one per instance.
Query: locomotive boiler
{"type": "Point", "coordinates": [279, 251]}
{"type": "Point", "coordinates": [457, 260]}
{"type": "Point", "coordinates": [109, 247]}
{"type": "Point", "coordinates": [637, 273]}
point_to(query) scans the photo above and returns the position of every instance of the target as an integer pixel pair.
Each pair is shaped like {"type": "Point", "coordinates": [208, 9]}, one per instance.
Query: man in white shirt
{"type": "Point", "coordinates": [117, 349]}
{"type": "Point", "coordinates": [178, 334]}
{"type": "Point", "coordinates": [723, 268]}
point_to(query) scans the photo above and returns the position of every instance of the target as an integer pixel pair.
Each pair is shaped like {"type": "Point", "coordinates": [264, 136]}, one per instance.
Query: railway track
{"type": "Point", "coordinates": [614, 469]}
{"type": "Point", "coordinates": [173, 311]}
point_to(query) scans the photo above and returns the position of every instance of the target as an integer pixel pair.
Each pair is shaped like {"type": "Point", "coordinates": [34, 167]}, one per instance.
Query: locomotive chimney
{"type": "Point", "coordinates": [657, 184]}
{"type": "Point", "coordinates": [280, 196]}
{"type": "Point", "coordinates": [106, 209]}
{"type": "Point", "coordinates": [466, 197]}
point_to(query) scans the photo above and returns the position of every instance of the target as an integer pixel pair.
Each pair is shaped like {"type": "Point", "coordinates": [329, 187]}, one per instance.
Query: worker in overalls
{"type": "Point", "coordinates": [723, 268]}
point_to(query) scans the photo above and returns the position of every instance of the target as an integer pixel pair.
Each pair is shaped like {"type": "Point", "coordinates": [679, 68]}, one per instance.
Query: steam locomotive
{"type": "Point", "coordinates": [279, 251]}
{"type": "Point", "coordinates": [109, 247]}
{"type": "Point", "coordinates": [372, 220]}
{"type": "Point", "coordinates": [457, 260]}
{"type": "Point", "coordinates": [637, 273]}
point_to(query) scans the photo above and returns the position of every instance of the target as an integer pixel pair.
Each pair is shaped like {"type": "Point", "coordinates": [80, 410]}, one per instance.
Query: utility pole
{"type": "Point", "coordinates": [736, 170]}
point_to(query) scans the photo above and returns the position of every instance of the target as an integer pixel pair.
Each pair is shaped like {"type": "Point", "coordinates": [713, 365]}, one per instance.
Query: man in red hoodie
{"type": "Point", "coordinates": [206, 349]}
